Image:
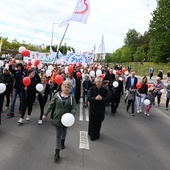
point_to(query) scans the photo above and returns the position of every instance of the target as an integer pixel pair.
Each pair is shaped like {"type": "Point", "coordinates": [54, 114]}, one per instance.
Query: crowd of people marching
{"type": "Point", "coordinates": [81, 79]}
{"type": "Point", "coordinates": [64, 85]}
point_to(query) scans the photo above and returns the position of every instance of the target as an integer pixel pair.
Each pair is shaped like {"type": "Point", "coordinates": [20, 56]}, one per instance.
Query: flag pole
{"type": "Point", "coordinates": [56, 57]}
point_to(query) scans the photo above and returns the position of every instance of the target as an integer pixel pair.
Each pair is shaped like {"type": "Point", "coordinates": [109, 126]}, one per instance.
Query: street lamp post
{"type": "Point", "coordinates": [52, 35]}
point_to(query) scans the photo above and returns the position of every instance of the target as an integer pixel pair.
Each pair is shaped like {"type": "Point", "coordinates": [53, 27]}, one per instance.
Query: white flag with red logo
{"type": "Point", "coordinates": [80, 13]}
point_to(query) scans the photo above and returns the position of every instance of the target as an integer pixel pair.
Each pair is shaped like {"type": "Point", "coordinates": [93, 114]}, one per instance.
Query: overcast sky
{"type": "Point", "coordinates": [32, 21]}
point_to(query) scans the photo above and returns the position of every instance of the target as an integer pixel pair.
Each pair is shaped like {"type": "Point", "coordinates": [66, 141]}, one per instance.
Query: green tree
{"type": "Point", "coordinates": [132, 40]}
{"type": "Point", "coordinates": [139, 54]}
{"type": "Point", "coordinates": [159, 29]}
{"type": "Point", "coordinates": [126, 54]}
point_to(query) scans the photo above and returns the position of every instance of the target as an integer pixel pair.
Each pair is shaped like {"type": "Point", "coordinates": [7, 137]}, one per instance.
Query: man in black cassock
{"type": "Point", "coordinates": [97, 98]}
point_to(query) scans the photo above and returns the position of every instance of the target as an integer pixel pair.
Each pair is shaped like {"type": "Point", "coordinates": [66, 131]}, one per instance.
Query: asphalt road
{"type": "Point", "coordinates": [126, 143]}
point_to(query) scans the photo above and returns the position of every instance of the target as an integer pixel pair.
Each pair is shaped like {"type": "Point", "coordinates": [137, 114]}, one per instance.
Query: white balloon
{"type": "Point", "coordinates": [99, 67]}
{"type": "Point", "coordinates": [115, 84]}
{"type": "Point", "coordinates": [114, 71]}
{"type": "Point", "coordinates": [17, 61]}
{"type": "Point", "coordinates": [33, 61]}
{"type": "Point", "coordinates": [21, 49]}
{"type": "Point", "coordinates": [1, 63]}
{"type": "Point", "coordinates": [48, 73]}
{"type": "Point", "coordinates": [67, 119]}
{"type": "Point", "coordinates": [98, 72]}
{"type": "Point", "coordinates": [120, 78]}
{"type": "Point", "coordinates": [92, 73]}
{"type": "Point", "coordinates": [126, 72]}
{"type": "Point", "coordinates": [39, 87]}
{"type": "Point", "coordinates": [66, 69]}
{"type": "Point", "coordinates": [50, 67]}
{"type": "Point", "coordinates": [146, 102]}
{"type": "Point", "coordinates": [81, 70]}
{"type": "Point", "coordinates": [2, 87]}
{"type": "Point", "coordinates": [162, 90]}
{"type": "Point", "coordinates": [40, 65]}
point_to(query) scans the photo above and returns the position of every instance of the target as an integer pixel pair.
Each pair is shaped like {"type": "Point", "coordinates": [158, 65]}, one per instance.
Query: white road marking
{"type": "Point", "coordinates": [81, 111]}
{"type": "Point", "coordinates": [87, 114]}
{"type": "Point", "coordinates": [84, 141]}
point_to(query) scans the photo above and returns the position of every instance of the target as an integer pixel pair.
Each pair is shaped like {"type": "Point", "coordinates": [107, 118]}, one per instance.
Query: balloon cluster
{"type": "Point", "coordinates": [23, 51]}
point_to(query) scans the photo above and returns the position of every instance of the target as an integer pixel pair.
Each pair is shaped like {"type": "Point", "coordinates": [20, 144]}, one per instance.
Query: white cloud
{"type": "Point", "coordinates": [32, 21]}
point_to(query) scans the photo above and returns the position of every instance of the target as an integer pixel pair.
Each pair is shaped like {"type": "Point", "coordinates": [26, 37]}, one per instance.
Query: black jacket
{"type": "Point", "coordinates": [97, 107]}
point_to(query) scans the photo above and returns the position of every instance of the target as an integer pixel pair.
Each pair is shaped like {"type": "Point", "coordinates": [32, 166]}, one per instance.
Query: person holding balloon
{"type": "Point", "coordinates": [18, 73]}
{"type": "Point", "coordinates": [29, 94]}
{"type": "Point", "coordinates": [143, 90]}
{"type": "Point", "coordinates": [117, 91]}
{"type": "Point", "coordinates": [63, 102]}
{"type": "Point", "coordinates": [149, 101]}
{"type": "Point", "coordinates": [132, 93]}
{"type": "Point", "coordinates": [44, 90]}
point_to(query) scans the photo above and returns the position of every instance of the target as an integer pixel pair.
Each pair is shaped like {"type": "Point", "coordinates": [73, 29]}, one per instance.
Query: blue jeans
{"type": "Point", "coordinates": [16, 92]}
{"type": "Point", "coordinates": [85, 96]}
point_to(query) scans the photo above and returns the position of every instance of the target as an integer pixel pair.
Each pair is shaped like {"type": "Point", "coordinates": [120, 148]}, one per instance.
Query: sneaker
{"type": "Point", "coordinates": [20, 120]}
{"type": "Point", "coordinates": [10, 115]}
{"type": "Point", "coordinates": [148, 114]}
{"type": "Point", "coordinates": [133, 114]}
{"type": "Point", "coordinates": [40, 122]}
{"type": "Point", "coordinates": [166, 109]}
{"type": "Point", "coordinates": [28, 118]}
{"type": "Point", "coordinates": [138, 111]}
{"type": "Point", "coordinates": [145, 113]}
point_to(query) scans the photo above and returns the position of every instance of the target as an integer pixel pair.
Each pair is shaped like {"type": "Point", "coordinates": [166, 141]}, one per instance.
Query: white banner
{"type": "Point", "coordinates": [70, 58]}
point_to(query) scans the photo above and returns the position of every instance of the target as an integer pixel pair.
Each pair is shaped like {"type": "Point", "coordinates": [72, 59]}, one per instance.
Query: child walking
{"type": "Point", "coordinates": [151, 97]}
{"type": "Point", "coordinates": [132, 93]}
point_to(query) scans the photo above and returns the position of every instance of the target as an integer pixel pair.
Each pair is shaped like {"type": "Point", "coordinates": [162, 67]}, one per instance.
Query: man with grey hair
{"type": "Point", "coordinates": [97, 98]}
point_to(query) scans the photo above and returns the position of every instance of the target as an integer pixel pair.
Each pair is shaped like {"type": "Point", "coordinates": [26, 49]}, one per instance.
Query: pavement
{"type": "Point", "coordinates": [151, 81]}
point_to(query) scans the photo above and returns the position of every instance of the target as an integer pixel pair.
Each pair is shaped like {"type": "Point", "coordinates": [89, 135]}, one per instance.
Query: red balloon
{"type": "Point", "coordinates": [117, 72]}
{"type": "Point", "coordinates": [26, 81]}
{"type": "Point", "coordinates": [102, 76]}
{"type": "Point", "coordinates": [78, 74]}
{"type": "Point", "coordinates": [37, 62]}
{"type": "Point", "coordinates": [70, 68]}
{"type": "Point", "coordinates": [25, 53]}
{"type": "Point", "coordinates": [29, 63]}
{"type": "Point", "coordinates": [58, 79]}
{"type": "Point", "coordinates": [28, 67]}
{"type": "Point", "coordinates": [138, 85]}
{"type": "Point", "coordinates": [123, 70]}
{"type": "Point", "coordinates": [149, 85]}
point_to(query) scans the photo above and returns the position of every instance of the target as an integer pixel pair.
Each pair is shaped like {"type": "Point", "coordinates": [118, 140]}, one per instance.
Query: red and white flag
{"type": "Point", "coordinates": [80, 13]}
